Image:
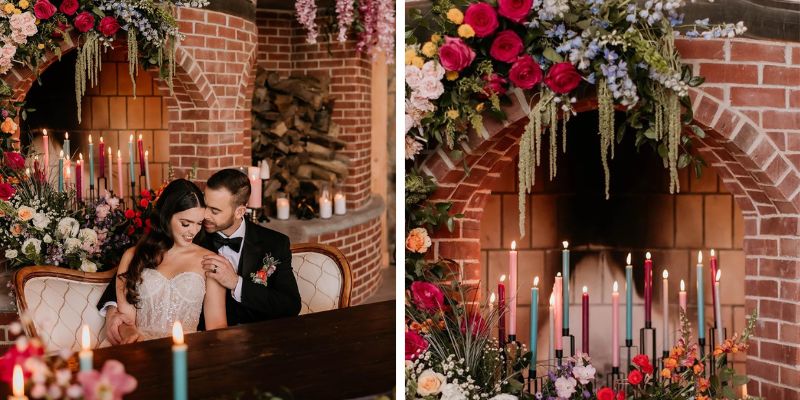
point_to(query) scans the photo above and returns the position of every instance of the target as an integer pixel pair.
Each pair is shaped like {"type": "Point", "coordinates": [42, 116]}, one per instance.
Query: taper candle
{"type": "Point", "coordinates": [61, 171]}
{"type": "Point", "coordinates": [101, 158]}
{"type": "Point", "coordinates": [648, 290]}
{"type": "Point", "coordinates": [91, 163]}
{"type": "Point", "coordinates": [140, 145]}
{"type": "Point", "coordinates": [534, 322]}
{"type": "Point", "coordinates": [565, 287]}
{"type": "Point", "coordinates": [552, 313]}
{"type": "Point", "coordinates": [492, 299]}
{"type": "Point", "coordinates": [512, 283]}
{"type": "Point", "coordinates": [559, 309]}
{"type": "Point", "coordinates": [701, 312]}
{"type": "Point", "coordinates": [121, 193]}
{"type": "Point", "coordinates": [179, 370]}
{"type": "Point", "coordinates": [682, 297]}
{"type": "Point", "coordinates": [712, 262]}
{"type": "Point", "coordinates": [665, 307]}
{"type": "Point", "coordinates": [628, 299]}
{"type": "Point", "coordinates": [718, 310]}
{"type": "Point", "coordinates": [147, 169]}
{"type": "Point", "coordinates": [501, 308]}
{"type": "Point", "coordinates": [17, 384]}
{"type": "Point", "coordinates": [131, 170]}
{"type": "Point", "coordinates": [585, 319]}
{"type": "Point", "coordinates": [110, 175]}
{"type": "Point", "coordinates": [79, 177]}
{"type": "Point", "coordinates": [66, 145]}
{"type": "Point", "coordinates": [615, 325]}
{"type": "Point", "coordinates": [46, 148]}
{"type": "Point", "coordinates": [85, 355]}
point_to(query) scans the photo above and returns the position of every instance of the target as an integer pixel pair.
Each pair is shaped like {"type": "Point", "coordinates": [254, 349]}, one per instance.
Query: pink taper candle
{"type": "Point", "coordinates": [682, 297]}
{"type": "Point", "coordinates": [615, 325]}
{"type": "Point", "coordinates": [501, 307]}
{"type": "Point", "coordinates": [120, 178]}
{"type": "Point", "coordinates": [558, 310]}
{"type": "Point", "coordinates": [665, 307]}
{"type": "Point", "coordinates": [512, 284]}
{"type": "Point", "coordinates": [46, 148]}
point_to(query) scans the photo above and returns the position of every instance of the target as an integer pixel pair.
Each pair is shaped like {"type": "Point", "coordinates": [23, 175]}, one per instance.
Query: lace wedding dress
{"type": "Point", "coordinates": [163, 301]}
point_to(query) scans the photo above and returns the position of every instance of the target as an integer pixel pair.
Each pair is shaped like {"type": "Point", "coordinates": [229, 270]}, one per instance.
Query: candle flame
{"type": "Point", "coordinates": [719, 274]}
{"type": "Point", "coordinates": [712, 253]}
{"type": "Point", "coordinates": [585, 290]}
{"type": "Point", "coordinates": [90, 139]}
{"type": "Point", "coordinates": [536, 281]}
{"type": "Point", "coordinates": [665, 274]}
{"type": "Point", "coordinates": [80, 157]}
{"type": "Point", "coordinates": [492, 298]}
{"type": "Point", "coordinates": [558, 275]}
{"type": "Point", "coordinates": [683, 286]}
{"type": "Point", "coordinates": [44, 132]}
{"type": "Point", "coordinates": [647, 255]}
{"type": "Point", "coordinates": [146, 154]}
{"type": "Point", "coordinates": [109, 149]}
{"type": "Point", "coordinates": [61, 154]}
{"type": "Point", "coordinates": [616, 287]}
{"type": "Point", "coordinates": [101, 139]}
{"type": "Point", "coordinates": [86, 340]}
{"type": "Point", "coordinates": [628, 259]}
{"type": "Point", "coordinates": [699, 257]}
{"type": "Point", "coordinates": [18, 385]}
{"type": "Point", "coordinates": [177, 332]}
{"type": "Point", "coordinates": [513, 245]}
{"type": "Point", "coordinates": [66, 135]}
{"type": "Point", "coordinates": [503, 278]}
{"type": "Point", "coordinates": [140, 136]}
{"type": "Point", "coordinates": [552, 299]}
{"type": "Point", "coordinates": [130, 139]}
{"type": "Point", "coordinates": [119, 154]}
{"type": "Point", "coordinates": [565, 243]}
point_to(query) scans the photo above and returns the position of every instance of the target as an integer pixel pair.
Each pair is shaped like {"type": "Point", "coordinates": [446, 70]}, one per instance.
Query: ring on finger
{"type": "Point", "coordinates": [215, 269]}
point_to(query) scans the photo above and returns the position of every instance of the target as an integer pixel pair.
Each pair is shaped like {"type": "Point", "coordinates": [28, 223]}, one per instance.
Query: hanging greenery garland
{"type": "Point", "coordinates": [462, 59]}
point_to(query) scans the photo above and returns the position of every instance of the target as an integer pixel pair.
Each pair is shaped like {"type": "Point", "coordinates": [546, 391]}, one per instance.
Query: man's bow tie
{"type": "Point", "coordinates": [233, 243]}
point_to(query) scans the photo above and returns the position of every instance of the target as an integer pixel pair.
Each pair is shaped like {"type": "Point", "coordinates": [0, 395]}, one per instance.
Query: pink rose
{"type": "Point", "coordinates": [455, 55]}
{"type": "Point", "coordinates": [482, 18]}
{"type": "Point", "coordinates": [562, 78]}
{"type": "Point", "coordinates": [525, 73]}
{"type": "Point", "coordinates": [69, 6]}
{"type": "Point", "coordinates": [109, 383]}
{"type": "Point", "coordinates": [84, 22]}
{"type": "Point", "coordinates": [108, 26]}
{"type": "Point", "coordinates": [415, 345]}
{"type": "Point", "coordinates": [15, 356]}
{"type": "Point", "coordinates": [515, 10]}
{"type": "Point", "coordinates": [43, 9]}
{"type": "Point", "coordinates": [6, 191]}
{"type": "Point", "coordinates": [14, 160]}
{"type": "Point", "coordinates": [494, 84]}
{"type": "Point", "coordinates": [427, 296]}
{"type": "Point", "coordinates": [506, 46]}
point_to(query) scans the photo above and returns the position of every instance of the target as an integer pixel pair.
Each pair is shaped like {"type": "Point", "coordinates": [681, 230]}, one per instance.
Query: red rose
{"type": "Point", "coordinates": [144, 203]}
{"type": "Point", "coordinates": [482, 18]}
{"type": "Point", "coordinates": [506, 46]}
{"type": "Point", "coordinates": [129, 213]}
{"type": "Point", "coordinates": [641, 359]}
{"type": "Point", "coordinates": [635, 377]}
{"type": "Point", "coordinates": [605, 394]}
{"type": "Point", "coordinates": [138, 214]}
{"type": "Point", "coordinates": [138, 222]}
{"type": "Point", "coordinates": [515, 10]}
{"type": "Point", "coordinates": [427, 296]}
{"type": "Point", "coordinates": [525, 73]}
{"type": "Point", "coordinates": [14, 160]}
{"type": "Point", "coordinates": [6, 191]}
{"type": "Point", "coordinates": [145, 193]}
{"type": "Point", "coordinates": [131, 230]}
{"type": "Point", "coordinates": [43, 9]}
{"type": "Point", "coordinates": [562, 78]}
{"type": "Point", "coordinates": [415, 345]}
{"type": "Point", "coordinates": [621, 395]}
{"type": "Point", "coordinates": [15, 356]}
{"type": "Point", "coordinates": [69, 6]}
{"type": "Point", "coordinates": [108, 26]}
{"type": "Point", "coordinates": [494, 84]}
{"type": "Point", "coordinates": [455, 55]}
{"type": "Point", "coordinates": [84, 22]}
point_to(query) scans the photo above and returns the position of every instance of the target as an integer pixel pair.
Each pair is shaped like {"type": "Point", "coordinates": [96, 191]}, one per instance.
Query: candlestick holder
{"type": "Point", "coordinates": [712, 334]}
{"type": "Point", "coordinates": [702, 344]}
{"type": "Point", "coordinates": [133, 194]}
{"type": "Point", "coordinates": [613, 377]}
{"type": "Point", "coordinates": [559, 356]}
{"type": "Point", "coordinates": [648, 347]}
{"type": "Point", "coordinates": [565, 334]}
{"type": "Point", "coordinates": [102, 183]}
{"type": "Point", "coordinates": [627, 348]}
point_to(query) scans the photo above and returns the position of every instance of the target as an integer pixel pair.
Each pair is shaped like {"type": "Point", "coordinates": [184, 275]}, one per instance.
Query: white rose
{"type": "Point", "coordinates": [102, 211]}
{"type": "Point", "coordinates": [433, 69]}
{"type": "Point", "coordinates": [11, 254]}
{"type": "Point", "coordinates": [413, 76]}
{"type": "Point", "coordinates": [47, 239]}
{"type": "Point", "coordinates": [430, 382]}
{"type": "Point", "coordinates": [565, 387]}
{"type": "Point", "coordinates": [36, 245]}
{"type": "Point", "coordinates": [88, 266]}
{"type": "Point", "coordinates": [584, 374]}
{"type": "Point", "coordinates": [72, 245]}
{"type": "Point", "coordinates": [40, 221]}
{"type": "Point", "coordinates": [113, 202]}
{"type": "Point", "coordinates": [430, 88]}
{"type": "Point", "coordinates": [67, 227]}
{"type": "Point", "coordinates": [451, 391]}
{"type": "Point", "coordinates": [420, 103]}
{"type": "Point", "coordinates": [88, 236]}
{"type": "Point", "coordinates": [504, 396]}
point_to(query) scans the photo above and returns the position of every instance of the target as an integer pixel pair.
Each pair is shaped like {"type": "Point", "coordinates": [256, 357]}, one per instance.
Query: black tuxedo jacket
{"type": "Point", "coordinates": [280, 298]}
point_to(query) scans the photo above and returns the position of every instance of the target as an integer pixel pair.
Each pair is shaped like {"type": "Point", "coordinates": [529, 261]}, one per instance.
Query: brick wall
{"type": "Point", "coordinates": [754, 148]}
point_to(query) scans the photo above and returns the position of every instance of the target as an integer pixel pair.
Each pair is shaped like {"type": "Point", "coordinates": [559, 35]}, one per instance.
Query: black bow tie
{"type": "Point", "coordinates": [233, 243]}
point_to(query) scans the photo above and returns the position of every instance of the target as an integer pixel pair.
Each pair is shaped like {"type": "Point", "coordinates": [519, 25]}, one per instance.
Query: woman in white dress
{"type": "Point", "coordinates": [161, 280]}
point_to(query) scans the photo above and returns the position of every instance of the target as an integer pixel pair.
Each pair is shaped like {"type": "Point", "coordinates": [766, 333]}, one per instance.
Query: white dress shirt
{"type": "Point", "coordinates": [225, 251]}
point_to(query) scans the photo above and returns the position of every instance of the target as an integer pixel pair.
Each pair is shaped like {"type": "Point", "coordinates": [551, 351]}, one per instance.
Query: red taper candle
{"type": "Point", "coordinates": [714, 292]}
{"type": "Point", "coordinates": [648, 290]}
{"type": "Point", "coordinates": [102, 157]}
{"type": "Point", "coordinates": [501, 308]}
{"type": "Point", "coordinates": [585, 317]}
{"type": "Point", "coordinates": [140, 144]}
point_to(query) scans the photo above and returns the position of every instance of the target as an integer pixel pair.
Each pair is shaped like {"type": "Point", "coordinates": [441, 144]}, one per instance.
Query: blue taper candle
{"type": "Point", "coordinates": [701, 310]}
{"type": "Point", "coordinates": [91, 162]}
{"type": "Point", "coordinates": [85, 355]}
{"type": "Point", "coordinates": [565, 274]}
{"type": "Point", "coordinates": [61, 172]}
{"type": "Point", "coordinates": [629, 299]}
{"type": "Point", "coordinates": [180, 381]}
{"type": "Point", "coordinates": [534, 321]}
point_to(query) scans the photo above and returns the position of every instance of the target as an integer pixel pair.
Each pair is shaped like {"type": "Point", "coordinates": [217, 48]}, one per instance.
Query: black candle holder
{"type": "Point", "coordinates": [702, 345]}
{"type": "Point", "coordinates": [565, 334]}
{"type": "Point", "coordinates": [627, 349]}
{"type": "Point", "coordinates": [648, 327]}
{"type": "Point", "coordinates": [712, 334]}
{"type": "Point", "coordinates": [559, 357]}
{"type": "Point", "coordinates": [613, 377]}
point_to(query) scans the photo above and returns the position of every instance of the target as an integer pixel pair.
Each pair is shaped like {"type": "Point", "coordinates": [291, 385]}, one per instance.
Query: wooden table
{"type": "Point", "coordinates": [336, 354]}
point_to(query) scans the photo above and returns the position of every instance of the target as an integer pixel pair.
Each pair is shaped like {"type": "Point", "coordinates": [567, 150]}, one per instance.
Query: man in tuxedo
{"type": "Point", "coordinates": [241, 247]}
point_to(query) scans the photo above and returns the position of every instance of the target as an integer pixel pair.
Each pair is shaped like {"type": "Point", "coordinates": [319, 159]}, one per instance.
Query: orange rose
{"type": "Point", "coordinates": [666, 373]}
{"type": "Point", "coordinates": [16, 229]}
{"type": "Point", "coordinates": [8, 126]}
{"type": "Point", "coordinates": [418, 240]}
{"type": "Point", "coordinates": [25, 213]}
{"type": "Point", "coordinates": [702, 384]}
{"type": "Point", "coordinates": [698, 369]}
{"type": "Point", "coordinates": [670, 363]}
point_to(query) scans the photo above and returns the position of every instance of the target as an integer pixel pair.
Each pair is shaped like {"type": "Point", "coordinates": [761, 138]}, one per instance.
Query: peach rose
{"type": "Point", "coordinates": [418, 240]}
{"type": "Point", "coordinates": [16, 230]}
{"type": "Point", "coordinates": [430, 382]}
{"type": "Point", "coordinates": [25, 213]}
{"type": "Point", "coordinates": [8, 125]}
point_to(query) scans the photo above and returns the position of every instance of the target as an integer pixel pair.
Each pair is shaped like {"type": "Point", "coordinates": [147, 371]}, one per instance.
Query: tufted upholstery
{"type": "Point", "coordinates": [56, 301]}
{"type": "Point", "coordinates": [323, 277]}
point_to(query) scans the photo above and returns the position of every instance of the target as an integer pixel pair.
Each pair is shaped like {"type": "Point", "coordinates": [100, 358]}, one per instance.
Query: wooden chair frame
{"type": "Point", "coordinates": [341, 262]}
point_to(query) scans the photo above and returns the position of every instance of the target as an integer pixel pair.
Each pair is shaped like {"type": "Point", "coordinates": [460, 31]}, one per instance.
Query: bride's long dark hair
{"type": "Point", "coordinates": [179, 195]}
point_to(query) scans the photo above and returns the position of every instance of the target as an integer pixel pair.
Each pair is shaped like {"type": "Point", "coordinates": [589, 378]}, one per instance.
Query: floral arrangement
{"type": "Point", "coordinates": [574, 379]}
{"type": "Point", "coordinates": [30, 28]}
{"type": "Point", "coordinates": [51, 377]}
{"type": "Point", "coordinates": [372, 21]}
{"type": "Point", "coordinates": [462, 61]}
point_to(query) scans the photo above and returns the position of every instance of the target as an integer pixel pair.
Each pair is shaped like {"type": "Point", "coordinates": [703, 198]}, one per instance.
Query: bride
{"type": "Point", "coordinates": [161, 279]}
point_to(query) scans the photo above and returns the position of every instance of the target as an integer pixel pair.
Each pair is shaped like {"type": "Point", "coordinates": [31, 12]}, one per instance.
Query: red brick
{"type": "Point", "coordinates": [784, 76]}
{"type": "Point", "coordinates": [779, 353]}
{"type": "Point", "coordinates": [700, 49]}
{"type": "Point", "coordinates": [729, 73]}
{"type": "Point", "coordinates": [761, 51]}
{"type": "Point", "coordinates": [758, 97]}
{"type": "Point", "coordinates": [786, 269]}
{"type": "Point", "coordinates": [781, 119]}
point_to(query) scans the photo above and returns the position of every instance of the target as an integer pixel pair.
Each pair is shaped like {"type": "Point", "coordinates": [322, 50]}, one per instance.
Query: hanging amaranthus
{"type": "Point", "coordinates": [87, 66]}
{"type": "Point", "coordinates": [605, 107]}
{"type": "Point", "coordinates": [133, 57]}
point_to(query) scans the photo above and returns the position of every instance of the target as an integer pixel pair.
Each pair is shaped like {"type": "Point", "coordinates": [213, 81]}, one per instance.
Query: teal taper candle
{"type": "Point", "coordinates": [85, 355]}
{"type": "Point", "coordinates": [180, 381]}
{"type": "Point", "coordinates": [629, 299]}
{"type": "Point", "coordinates": [701, 310]}
{"type": "Point", "coordinates": [534, 321]}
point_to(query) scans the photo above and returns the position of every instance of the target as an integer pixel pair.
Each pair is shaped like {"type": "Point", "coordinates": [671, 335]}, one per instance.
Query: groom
{"type": "Point", "coordinates": [241, 247]}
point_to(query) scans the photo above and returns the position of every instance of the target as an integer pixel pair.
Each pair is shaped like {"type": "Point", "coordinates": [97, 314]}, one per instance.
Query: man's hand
{"type": "Point", "coordinates": [219, 268]}
{"type": "Point", "coordinates": [115, 321]}
{"type": "Point", "coordinates": [129, 333]}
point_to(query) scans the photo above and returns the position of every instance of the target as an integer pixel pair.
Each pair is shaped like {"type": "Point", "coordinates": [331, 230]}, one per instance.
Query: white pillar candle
{"type": "Point", "coordinates": [264, 169]}
{"type": "Point", "coordinates": [325, 208]}
{"type": "Point", "coordinates": [339, 204]}
{"type": "Point", "coordinates": [282, 206]}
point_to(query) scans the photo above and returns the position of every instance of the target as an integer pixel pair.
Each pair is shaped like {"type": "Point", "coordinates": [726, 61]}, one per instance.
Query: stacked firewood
{"type": "Point", "coordinates": [292, 128]}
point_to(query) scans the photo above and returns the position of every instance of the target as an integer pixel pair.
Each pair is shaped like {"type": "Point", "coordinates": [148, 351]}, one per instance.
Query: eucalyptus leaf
{"type": "Point", "coordinates": [551, 54]}
{"type": "Point", "coordinates": [698, 131]}
{"type": "Point", "coordinates": [696, 81]}
{"type": "Point", "coordinates": [650, 133]}
{"type": "Point", "coordinates": [683, 160]}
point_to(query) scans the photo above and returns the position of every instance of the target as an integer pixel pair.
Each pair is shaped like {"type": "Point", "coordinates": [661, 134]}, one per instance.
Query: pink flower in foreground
{"type": "Point", "coordinates": [109, 384]}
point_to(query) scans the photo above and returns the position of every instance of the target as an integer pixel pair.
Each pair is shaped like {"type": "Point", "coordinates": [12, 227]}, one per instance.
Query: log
{"type": "Point", "coordinates": [279, 128]}
{"type": "Point", "coordinates": [320, 151]}
{"type": "Point", "coordinates": [325, 140]}
{"type": "Point", "coordinates": [338, 167]}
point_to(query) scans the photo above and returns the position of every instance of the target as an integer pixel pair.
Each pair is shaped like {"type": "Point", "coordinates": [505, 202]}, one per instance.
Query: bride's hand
{"type": "Point", "coordinates": [129, 333]}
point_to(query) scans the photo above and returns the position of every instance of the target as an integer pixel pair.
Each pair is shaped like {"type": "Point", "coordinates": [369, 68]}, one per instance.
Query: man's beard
{"type": "Point", "coordinates": [213, 228]}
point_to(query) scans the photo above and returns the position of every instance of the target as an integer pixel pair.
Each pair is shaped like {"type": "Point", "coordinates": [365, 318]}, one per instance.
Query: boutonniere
{"type": "Point", "coordinates": [268, 267]}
